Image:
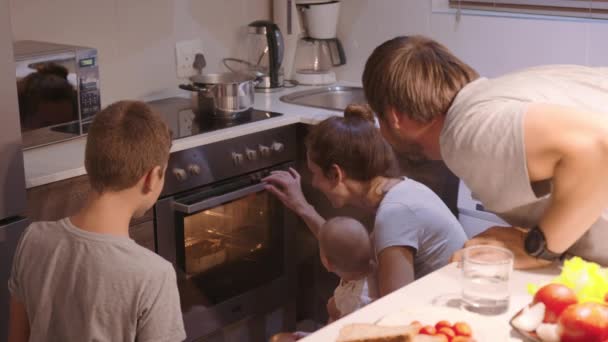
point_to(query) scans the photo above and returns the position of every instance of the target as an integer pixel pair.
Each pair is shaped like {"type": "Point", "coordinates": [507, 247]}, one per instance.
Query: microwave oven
{"type": "Point", "coordinates": [58, 89]}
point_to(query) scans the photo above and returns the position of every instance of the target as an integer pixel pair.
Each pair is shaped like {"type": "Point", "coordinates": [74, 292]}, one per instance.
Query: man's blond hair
{"type": "Point", "coordinates": [416, 76]}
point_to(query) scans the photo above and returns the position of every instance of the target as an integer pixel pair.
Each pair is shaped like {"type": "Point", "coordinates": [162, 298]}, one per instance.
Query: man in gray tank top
{"type": "Point", "coordinates": [531, 145]}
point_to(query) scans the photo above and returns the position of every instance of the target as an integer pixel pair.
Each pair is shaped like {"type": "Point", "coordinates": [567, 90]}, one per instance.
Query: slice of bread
{"type": "Point", "coordinates": [375, 333]}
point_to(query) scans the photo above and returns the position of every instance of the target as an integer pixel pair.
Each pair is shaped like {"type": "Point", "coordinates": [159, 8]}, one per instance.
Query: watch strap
{"type": "Point", "coordinates": [543, 252]}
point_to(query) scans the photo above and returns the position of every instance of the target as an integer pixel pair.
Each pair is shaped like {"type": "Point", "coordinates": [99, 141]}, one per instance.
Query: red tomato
{"type": "Point", "coordinates": [428, 330]}
{"type": "Point", "coordinates": [447, 331]}
{"type": "Point", "coordinates": [606, 297]}
{"type": "Point", "coordinates": [442, 324]}
{"type": "Point", "coordinates": [556, 298]}
{"type": "Point", "coordinates": [462, 339]}
{"type": "Point", "coordinates": [441, 338]}
{"type": "Point", "coordinates": [586, 322]}
{"type": "Point", "coordinates": [462, 329]}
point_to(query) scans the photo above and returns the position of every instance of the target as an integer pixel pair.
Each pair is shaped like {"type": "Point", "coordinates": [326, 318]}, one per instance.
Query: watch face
{"type": "Point", "coordinates": [534, 241]}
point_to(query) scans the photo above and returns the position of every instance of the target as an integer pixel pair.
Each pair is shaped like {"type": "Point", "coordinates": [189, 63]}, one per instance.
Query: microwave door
{"type": "Point", "coordinates": [48, 99]}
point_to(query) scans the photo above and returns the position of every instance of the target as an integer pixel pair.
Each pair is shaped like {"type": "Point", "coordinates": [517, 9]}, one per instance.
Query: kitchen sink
{"type": "Point", "coordinates": [331, 97]}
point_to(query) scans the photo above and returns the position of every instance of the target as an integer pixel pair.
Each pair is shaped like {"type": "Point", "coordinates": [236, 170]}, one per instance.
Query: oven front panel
{"type": "Point", "coordinates": [231, 248]}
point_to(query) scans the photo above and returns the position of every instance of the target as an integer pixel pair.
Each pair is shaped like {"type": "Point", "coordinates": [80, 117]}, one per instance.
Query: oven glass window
{"type": "Point", "coordinates": [231, 232]}
{"type": "Point", "coordinates": [48, 100]}
{"type": "Point", "coordinates": [232, 248]}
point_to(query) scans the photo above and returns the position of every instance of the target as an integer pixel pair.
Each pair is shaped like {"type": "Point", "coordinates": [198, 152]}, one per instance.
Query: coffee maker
{"type": "Point", "coordinates": [312, 48]}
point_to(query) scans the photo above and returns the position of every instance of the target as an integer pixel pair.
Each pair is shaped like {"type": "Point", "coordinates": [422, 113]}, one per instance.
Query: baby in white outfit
{"type": "Point", "coordinates": [346, 250]}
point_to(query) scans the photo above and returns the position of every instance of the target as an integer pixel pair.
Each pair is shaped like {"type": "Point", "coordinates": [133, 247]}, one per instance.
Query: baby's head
{"type": "Point", "coordinates": [345, 247]}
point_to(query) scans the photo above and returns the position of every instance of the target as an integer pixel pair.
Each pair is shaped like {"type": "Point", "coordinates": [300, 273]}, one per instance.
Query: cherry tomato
{"type": "Point", "coordinates": [606, 297]}
{"type": "Point", "coordinates": [584, 322]}
{"type": "Point", "coordinates": [442, 324]}
{"type": "Point", "coordinates": [462, 339]}
{"type": "Point", "coordinates": [428, 330]}
{"type": "Point", "coordinates": [462, 329]}
{"type": "Point", "coordinates": [556, 298]}
{"type": "Point", "coordinates": [447, 331]}
{"type": "Point", "coordinates": [441, 338]}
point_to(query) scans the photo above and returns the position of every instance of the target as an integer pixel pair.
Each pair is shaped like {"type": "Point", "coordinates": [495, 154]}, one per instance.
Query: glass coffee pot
{"type": "Point", "coordinates": [315, 59]}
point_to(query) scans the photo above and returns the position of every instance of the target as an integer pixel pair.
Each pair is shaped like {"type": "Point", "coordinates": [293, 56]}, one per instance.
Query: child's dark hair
{"type": "Point", "coordinates": [354, 143]}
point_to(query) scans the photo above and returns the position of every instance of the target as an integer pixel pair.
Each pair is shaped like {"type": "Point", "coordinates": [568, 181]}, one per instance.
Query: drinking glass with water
{"type": "Point", "coordinates": [486, 271]}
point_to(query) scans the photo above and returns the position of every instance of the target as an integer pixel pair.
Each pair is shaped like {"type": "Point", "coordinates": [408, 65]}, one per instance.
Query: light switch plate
{"type": "Point", "coordinates": [184, 55]}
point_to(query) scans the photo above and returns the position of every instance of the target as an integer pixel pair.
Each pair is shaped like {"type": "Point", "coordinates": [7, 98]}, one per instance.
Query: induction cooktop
{"type": "Point", "coordinates": [183, 121]}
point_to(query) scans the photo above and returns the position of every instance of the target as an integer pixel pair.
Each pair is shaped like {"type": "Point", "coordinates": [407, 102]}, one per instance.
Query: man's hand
{"type": "Point", "coordinates": [286, 186]}
{"type": "Point", "coordinates": [511, 238]}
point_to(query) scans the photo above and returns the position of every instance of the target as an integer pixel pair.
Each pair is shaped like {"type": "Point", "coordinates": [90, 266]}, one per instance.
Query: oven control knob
{"type": "Point", "coordinates": [237, 158]}
{"type": "Point", "coordinates": [264, 151]}
{"type": "Point", "coordinates": [194, 169]}
{"type": "Point", "coordinates": [180, 174]}
{"type": "Point", "coordinates": [251, 154]}
{"type": "Point", "coordinates": [277, 147]}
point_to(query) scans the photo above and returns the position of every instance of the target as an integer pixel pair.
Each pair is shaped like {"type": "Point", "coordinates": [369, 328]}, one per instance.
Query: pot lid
{"type": "Point", "coordinates": [222, 78]}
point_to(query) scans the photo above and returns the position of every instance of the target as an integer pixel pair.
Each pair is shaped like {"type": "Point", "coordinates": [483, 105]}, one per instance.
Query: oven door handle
{"type": "Point", "coordinates": [214, 201]}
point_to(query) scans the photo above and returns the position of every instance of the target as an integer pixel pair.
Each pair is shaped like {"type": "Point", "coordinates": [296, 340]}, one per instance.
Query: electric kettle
{"type": "Point", "coordinates": [265, 54]}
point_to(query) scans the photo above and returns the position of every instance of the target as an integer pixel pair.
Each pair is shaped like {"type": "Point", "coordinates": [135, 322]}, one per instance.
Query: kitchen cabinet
{"type": "Point", "coordinates": [57, 200]}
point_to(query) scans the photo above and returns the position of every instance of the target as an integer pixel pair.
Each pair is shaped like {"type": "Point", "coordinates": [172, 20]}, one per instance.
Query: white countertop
{"type": "Point", "coordinates": [435, 289]}
{"type": "Point", "coordinates": [65, 160]}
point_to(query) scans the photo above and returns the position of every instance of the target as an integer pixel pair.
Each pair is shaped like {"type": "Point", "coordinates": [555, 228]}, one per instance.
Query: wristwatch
{"type": "Point", "coordinates": [536, 245]}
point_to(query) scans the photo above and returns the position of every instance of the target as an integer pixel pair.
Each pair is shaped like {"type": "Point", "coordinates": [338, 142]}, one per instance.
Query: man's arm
{"type": "Point", "coordinates": [570, 147]}
{"type": "Point", "coordinates": [19, 326]}
{"type": "Point", "coordinates": [395, 269]}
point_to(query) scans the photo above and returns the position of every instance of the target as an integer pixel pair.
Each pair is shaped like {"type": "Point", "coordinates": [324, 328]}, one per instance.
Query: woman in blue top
{"type": "Point", "coordinates": [351, 164]}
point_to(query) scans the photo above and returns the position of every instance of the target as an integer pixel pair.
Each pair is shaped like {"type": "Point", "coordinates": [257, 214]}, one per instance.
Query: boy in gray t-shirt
{"type": "Point", "coordinates": [82, 278]}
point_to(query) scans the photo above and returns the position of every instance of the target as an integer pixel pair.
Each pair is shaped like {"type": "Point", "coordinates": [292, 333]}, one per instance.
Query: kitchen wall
{"type": "Point", "coordinates": [136, 38]}
{"type": "Point", "coordinates": [493, 43]}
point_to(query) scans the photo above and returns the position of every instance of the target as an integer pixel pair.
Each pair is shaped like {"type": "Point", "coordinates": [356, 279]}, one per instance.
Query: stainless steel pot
{"type": "Point", "coordinates": [223, 95]}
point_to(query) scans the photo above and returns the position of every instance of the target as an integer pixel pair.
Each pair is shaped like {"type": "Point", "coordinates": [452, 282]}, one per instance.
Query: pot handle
{"type": "Point", "coordinates": [258, 79]}
{"type": "Point", "coordinates": [188, 87]}
{"type": "Point", "coordinates": [195, 88]}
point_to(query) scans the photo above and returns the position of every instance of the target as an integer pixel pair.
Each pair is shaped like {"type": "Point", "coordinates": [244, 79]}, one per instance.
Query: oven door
{"type": "Point", "coordinates": [230, 245]}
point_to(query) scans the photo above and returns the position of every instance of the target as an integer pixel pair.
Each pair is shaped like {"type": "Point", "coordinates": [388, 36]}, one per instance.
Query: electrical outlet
{"type": "Point", "coordinates": [184, 56]}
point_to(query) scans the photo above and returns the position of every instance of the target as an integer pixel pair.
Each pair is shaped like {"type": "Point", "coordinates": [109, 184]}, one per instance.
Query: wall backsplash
{"type": "Point", "coordinates": [136, 38]}
{"type": "Point", "coordinates": [493, 43]}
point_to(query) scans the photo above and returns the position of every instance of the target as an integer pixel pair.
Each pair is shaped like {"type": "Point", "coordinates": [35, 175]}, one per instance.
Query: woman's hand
{"type": "Point", "coordinates": [511, 238]}
{"type": "Point", "coordinates": [286, 186]}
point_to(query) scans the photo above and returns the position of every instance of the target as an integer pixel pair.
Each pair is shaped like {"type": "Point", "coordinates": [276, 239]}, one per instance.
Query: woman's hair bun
{"type": "Point", "coordinates": [359, 111]}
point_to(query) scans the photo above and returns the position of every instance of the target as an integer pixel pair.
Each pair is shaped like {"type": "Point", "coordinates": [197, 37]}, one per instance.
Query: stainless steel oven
{"type": "Point", "coordinates": [58, 90]}
{"type": "Point", "coordinates": [231, 241]}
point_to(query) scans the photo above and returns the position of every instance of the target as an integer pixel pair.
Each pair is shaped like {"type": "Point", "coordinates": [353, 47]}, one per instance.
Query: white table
{"type": "Point", "coordinates": [436, 289]}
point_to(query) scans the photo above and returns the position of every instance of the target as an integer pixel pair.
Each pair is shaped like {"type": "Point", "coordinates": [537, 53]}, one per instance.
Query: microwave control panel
{"type": "Point", "coordinates": [88, 82]}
